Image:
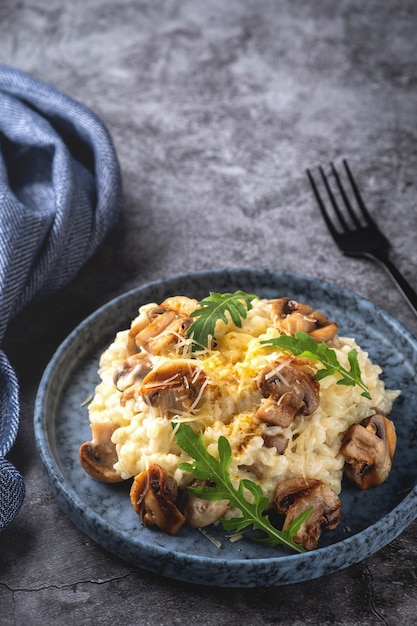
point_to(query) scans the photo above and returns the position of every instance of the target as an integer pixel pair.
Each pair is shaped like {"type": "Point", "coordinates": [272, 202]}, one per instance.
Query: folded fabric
{"type": "Point", "coordinates": [60, 195]}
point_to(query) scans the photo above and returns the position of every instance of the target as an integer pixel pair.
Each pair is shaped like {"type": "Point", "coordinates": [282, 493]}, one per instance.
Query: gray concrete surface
{"type": "Point", "coordinates": [216, 109]}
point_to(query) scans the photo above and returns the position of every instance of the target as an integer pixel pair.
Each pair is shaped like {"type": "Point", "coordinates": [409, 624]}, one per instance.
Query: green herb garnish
{"type": "Point", "coordinates": [215, 307]}
{"type": "Point", "coordinates": [208, 468]}
{"type": "Point", "coordinates": [304, 346]}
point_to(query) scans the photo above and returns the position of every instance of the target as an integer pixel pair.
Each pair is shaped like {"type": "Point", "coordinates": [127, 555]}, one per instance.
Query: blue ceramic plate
{"type": "Point", "coordinates": [370, 520]}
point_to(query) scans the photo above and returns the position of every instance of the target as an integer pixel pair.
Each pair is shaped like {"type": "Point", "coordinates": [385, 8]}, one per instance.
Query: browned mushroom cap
{"type": "Point", "coordinates": [98, 456]}
{"type": "Point", "coordinates": [368, 449]}
{"type": "Point", "coordinates": [295, 495]}
{"type": "Point", "coordinates": [295, 316]}
{"type": "Point", "coordinates": [199, 512]}
{"type": "Point", "coordinates": [165, 324]}
{"type": "Point", "coordinates": [153, 495]}
{"type": "Point", "coordinates": [174, 387]}
{"type": "Point", "coordinates": [290, 388]}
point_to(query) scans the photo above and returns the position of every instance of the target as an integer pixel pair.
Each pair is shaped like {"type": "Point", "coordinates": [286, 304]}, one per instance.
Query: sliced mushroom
{"type": "Point", "coordinates": [293, 316]}
{"type": "Point", "coordinates": [369, 449]}
{"type": "Point", "coordinates": [158, 334]}
{"type": "Point", "coordinates": [98, 456]}
{"type": "Point", "coordinates": [132, 371]}
{"type": "Point", "coordinates": [153, 495]}
{"type": "Point", "coordinates": [174, 387]}
{"type": "Point", "coordinates": [290, 388]}
{"type": "Point", "coordinates": [200, 512]}
{"type": "Point", "coordinates": [278, 441]}
{"type": "Point", "coordinates": [295, 495]}
{"type": "Point", "coordinates": [255, 469]}
{"type": "Point", "coordinates": [166, 323]}
{"type": "Point", "coordinates": [181, 304]}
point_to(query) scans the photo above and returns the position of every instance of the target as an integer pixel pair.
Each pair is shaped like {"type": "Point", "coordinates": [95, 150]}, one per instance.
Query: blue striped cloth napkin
{"type": "Point", "coordinates": [60, 195]}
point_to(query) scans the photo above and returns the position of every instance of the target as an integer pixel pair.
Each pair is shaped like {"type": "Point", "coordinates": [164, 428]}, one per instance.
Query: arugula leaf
{"type": "Point", "coordinates": [208, 468]}
{"type": "Point", "coordinates": [304, 346]}
{"type": "Point", "coordinates": [213, 308]}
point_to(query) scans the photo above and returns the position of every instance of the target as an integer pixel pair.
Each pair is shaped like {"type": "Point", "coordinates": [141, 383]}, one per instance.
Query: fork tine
{"type": "Point", "coordinates": [346, 200]}
{"type": "Point", "coordinates": [335, 206]}
{"type": "Point", "coordinates": [357, 194]}
{"type": "Point", "coordinates": [322, 207]}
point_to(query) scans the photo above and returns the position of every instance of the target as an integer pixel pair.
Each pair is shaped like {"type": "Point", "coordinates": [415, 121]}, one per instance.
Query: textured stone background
{"type": "Point", "coordinates": [216, 109]}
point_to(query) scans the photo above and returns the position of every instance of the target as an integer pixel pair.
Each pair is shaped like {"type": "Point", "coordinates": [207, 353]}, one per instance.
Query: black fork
{"type": "Point", "coordinates": [355, 232]}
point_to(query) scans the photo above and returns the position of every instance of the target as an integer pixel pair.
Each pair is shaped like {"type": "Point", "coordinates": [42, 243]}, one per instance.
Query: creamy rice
{"type": "Point", "coordinates": [228, 403]}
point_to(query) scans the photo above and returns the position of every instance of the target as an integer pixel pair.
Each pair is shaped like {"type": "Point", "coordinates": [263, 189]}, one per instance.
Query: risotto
{"type": "Point", "coordinates": [280, 420]}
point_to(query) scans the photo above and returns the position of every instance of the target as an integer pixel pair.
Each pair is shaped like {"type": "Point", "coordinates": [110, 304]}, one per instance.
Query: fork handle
{"type": "Point", "coordinates": [399, 280]}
